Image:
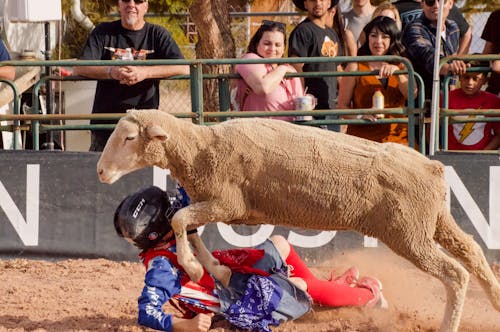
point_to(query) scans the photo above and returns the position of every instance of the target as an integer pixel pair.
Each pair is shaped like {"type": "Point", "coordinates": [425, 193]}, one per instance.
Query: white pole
{"type": "Point", "coordinates": [435, 83]}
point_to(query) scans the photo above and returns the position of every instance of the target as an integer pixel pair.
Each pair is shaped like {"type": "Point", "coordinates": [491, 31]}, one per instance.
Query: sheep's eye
{"type": "Point", "coordinates": [130, 138]}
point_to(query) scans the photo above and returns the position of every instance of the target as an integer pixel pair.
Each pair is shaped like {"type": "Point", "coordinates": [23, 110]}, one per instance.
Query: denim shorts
{"type": "Point", "coordinates": [294, 301]}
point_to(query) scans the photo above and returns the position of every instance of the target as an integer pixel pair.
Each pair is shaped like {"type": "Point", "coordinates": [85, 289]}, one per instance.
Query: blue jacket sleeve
{"type": "Point", "coordinates": [162, 281]}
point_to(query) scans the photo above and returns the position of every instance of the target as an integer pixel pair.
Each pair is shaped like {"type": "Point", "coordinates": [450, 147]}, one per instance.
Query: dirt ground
{"type": "Point", "coordinates": [100, 295]}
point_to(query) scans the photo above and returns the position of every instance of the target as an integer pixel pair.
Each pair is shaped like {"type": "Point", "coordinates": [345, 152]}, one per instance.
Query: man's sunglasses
{"type": "Point", "coordinates": [135, 1]}
{"type": "Point", "coordinates": [280, 25]}
{"type": "Point", "coordinates": [431, 3]}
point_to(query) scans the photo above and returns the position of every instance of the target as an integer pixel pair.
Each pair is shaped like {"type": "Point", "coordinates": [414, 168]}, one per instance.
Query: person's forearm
{"type": "Point", "coordinates": [98, 72]}
{"type": "Point", "coordinates": [403, 86]}
{"type": "Point", "coordinates": [273, 79]}
{"type": "Point", "coordinates": [494, 144]}
{"type": "Point", "coordinates": [166, 71]}
{"type": "Point", "coordinates": [465, 42]}
{"type": "Point", "coordinates": [7, 72]}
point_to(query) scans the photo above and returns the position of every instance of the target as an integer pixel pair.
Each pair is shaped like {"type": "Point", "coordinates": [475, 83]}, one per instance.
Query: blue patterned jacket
{"type": "Point", "coordinates": [419, 38]}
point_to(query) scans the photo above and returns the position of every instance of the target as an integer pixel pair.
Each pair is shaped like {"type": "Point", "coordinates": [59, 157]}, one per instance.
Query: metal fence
{"type": "Point", "coordinates": [43, 122]}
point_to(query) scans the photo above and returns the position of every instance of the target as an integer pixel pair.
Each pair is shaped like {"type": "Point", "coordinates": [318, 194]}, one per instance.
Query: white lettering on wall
{"type": "Point", "coordinates": [160, 177]}
{"type": "Point", "coordinates": [310, 241]}
{"type": "Point", "coordinates": [238, 240]}
{"type": "Point", "coordinates": [26, 229]}
{"type": "Point", "coordinates": [490, 234]}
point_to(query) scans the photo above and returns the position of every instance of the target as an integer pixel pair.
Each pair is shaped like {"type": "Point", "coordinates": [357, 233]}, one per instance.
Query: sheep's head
{"type": "Point", "coordinates": [132, 145]}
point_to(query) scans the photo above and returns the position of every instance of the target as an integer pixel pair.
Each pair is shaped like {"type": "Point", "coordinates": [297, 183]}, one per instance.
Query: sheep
{"type": "Point", "coordinates": [255, 171]}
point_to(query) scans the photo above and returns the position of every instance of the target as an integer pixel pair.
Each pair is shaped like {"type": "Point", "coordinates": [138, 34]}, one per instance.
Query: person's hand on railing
{"type": "Point", "coordinates": [387, 70]}
{"type": "Point", "coordinates": [129, 75]}
{"type": "Point", "coordinates": [457, 67]}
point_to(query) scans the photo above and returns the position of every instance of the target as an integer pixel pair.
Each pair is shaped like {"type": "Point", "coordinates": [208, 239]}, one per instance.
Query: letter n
{"type": "Point", "coordinates": [26, 229]}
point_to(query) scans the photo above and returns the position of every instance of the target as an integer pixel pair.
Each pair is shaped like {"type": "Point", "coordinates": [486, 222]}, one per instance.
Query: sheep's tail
{"type": "Point", "coordinates": [463, 247]}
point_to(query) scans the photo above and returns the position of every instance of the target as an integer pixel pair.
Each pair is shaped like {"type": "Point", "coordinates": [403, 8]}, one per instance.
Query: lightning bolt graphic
{"type": "Point", "coordinates": [467, 129]}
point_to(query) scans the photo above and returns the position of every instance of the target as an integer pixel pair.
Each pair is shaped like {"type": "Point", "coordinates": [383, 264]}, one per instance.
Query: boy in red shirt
{"type": "Point", "coordinates": [473, 135]}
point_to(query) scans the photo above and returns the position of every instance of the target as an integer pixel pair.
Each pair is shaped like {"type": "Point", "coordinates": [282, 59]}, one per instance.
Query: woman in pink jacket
{"type": "Point", "coordinates": [263, 87]}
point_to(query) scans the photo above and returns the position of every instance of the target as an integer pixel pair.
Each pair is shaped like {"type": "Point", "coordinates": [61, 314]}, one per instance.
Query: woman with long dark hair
{"type": "Point", "coordinates": [383, 38]}
{"type": "Point", "coordinates": [263, 87]}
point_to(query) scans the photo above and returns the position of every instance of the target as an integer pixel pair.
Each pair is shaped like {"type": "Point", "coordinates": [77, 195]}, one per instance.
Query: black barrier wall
{"type": "Point", "coordinates": [53, 205]}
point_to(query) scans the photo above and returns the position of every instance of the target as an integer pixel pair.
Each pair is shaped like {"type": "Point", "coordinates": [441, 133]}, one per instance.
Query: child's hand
{"type": "Point", "coordinates": [199, 323]}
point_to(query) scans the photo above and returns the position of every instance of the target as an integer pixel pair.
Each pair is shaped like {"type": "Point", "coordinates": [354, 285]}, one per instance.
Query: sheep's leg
{"type": "Point", "coordinates": [426, 256]}
{"type": "Point", "coordinates": [464, 248]}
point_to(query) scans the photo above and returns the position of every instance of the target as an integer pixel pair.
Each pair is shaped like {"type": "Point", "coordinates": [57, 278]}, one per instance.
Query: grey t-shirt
{"type": "Point", "coordinates": [356, 23]}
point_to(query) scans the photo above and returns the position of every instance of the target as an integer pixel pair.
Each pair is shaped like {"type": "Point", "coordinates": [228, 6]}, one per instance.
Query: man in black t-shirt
{"type": "Point", "coordinates": [314, 38]}
{"type": "Point", "coordinates": [409, 10]}
{"type": "Point", "coordinates": [127, 87]}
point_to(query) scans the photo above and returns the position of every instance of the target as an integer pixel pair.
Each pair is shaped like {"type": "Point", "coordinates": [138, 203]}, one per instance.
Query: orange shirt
{"type": "Point", "coordinates": [362, 98]}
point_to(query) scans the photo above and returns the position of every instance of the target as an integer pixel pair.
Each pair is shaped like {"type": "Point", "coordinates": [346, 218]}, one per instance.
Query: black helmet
{"type": "Point", "coordinates": [144, 217]}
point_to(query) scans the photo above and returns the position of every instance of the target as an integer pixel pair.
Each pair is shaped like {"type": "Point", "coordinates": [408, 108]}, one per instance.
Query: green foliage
{"type": "Point", "coordinates": [100, 11]}
{"type": "Point", "coordinates": [170, 6]}
{"type": "Point", "coordinates": [478, 6]}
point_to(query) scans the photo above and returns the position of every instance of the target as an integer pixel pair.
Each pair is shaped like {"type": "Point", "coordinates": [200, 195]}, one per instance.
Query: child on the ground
{"type": "Point", "coordinates": [473, 135]}
{"type": "Point", "coordinates": [268, 284]}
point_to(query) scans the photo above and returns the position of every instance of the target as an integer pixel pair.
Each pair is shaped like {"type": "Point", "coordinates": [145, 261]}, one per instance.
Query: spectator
{"type": "Point", "coordinates": [335, 21]}
{"type": "Point", "coordinates": [360, 14]}
{"type": "Point", "coordinates": [6, 73]}
{"type": "Point", "coordinates": [267, 284]}
{"type": "Point", "coordinates": [125, 87]}
{"type": "Point", "coordinates": [410, 10]}
{"type": "Point", "coordinates": [314, 37]}
{"type": "Point", "coordinates": [473, 135]}
{"type": "Point", "coordinates": [264, 86]}
{"type": "Point", "coordinates": [419, 38]}
{"type": "Point", "coordinates": [383, 9]}
{"type": "Point", "coordinates": [492, 37]}
{"type": "Point", "coordinates": [384, 38]}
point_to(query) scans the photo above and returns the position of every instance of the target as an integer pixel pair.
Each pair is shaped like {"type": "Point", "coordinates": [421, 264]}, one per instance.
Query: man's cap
{"type": "Point", "coordinates": [300, 4]}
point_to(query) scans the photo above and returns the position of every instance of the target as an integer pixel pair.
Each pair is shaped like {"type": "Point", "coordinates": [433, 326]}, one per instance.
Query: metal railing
{"type": "Point", "coordinates": [39, 121]}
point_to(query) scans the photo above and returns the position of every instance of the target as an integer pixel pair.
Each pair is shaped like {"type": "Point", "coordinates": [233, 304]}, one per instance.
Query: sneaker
{"type": "Point", "coordinates": [349, 277]}
{"type": "Point", "coordinates": [375, 286]}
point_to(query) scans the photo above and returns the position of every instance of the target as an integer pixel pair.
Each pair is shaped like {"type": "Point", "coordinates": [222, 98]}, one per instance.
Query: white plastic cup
{"type": "Point", "coordinates": [304, 103]}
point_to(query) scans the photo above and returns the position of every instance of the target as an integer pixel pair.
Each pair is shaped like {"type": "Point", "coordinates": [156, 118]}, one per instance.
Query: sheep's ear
{"type": "Point", "coordinates": [156, 132]}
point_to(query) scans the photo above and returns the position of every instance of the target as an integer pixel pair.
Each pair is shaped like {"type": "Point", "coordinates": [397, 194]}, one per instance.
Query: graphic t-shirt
{"type": "Point", "coordinates": [471, 135]}
{"type": "Point", "coordinates": [310, 40]}
{"type": "Point", "coordinates": [109, 41]}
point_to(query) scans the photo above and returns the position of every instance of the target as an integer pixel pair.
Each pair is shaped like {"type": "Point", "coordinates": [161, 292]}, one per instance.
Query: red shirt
{"type": "Point", "coordinates": [472, 135]}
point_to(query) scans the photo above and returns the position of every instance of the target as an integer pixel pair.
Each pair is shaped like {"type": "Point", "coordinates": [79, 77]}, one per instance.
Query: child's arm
{"type": "Point", "coordinates": [160, 284]}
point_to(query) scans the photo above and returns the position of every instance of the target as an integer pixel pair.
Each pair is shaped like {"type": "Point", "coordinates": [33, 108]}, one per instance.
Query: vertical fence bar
{"type": "Point", "coordinates": [411, 105]}
{"type": "Point", "coordinates": [196, 79]}
{"type": "Point", "coordinates": [421, 116]}
{"type": "Point", "coordinates": [224, 95]}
